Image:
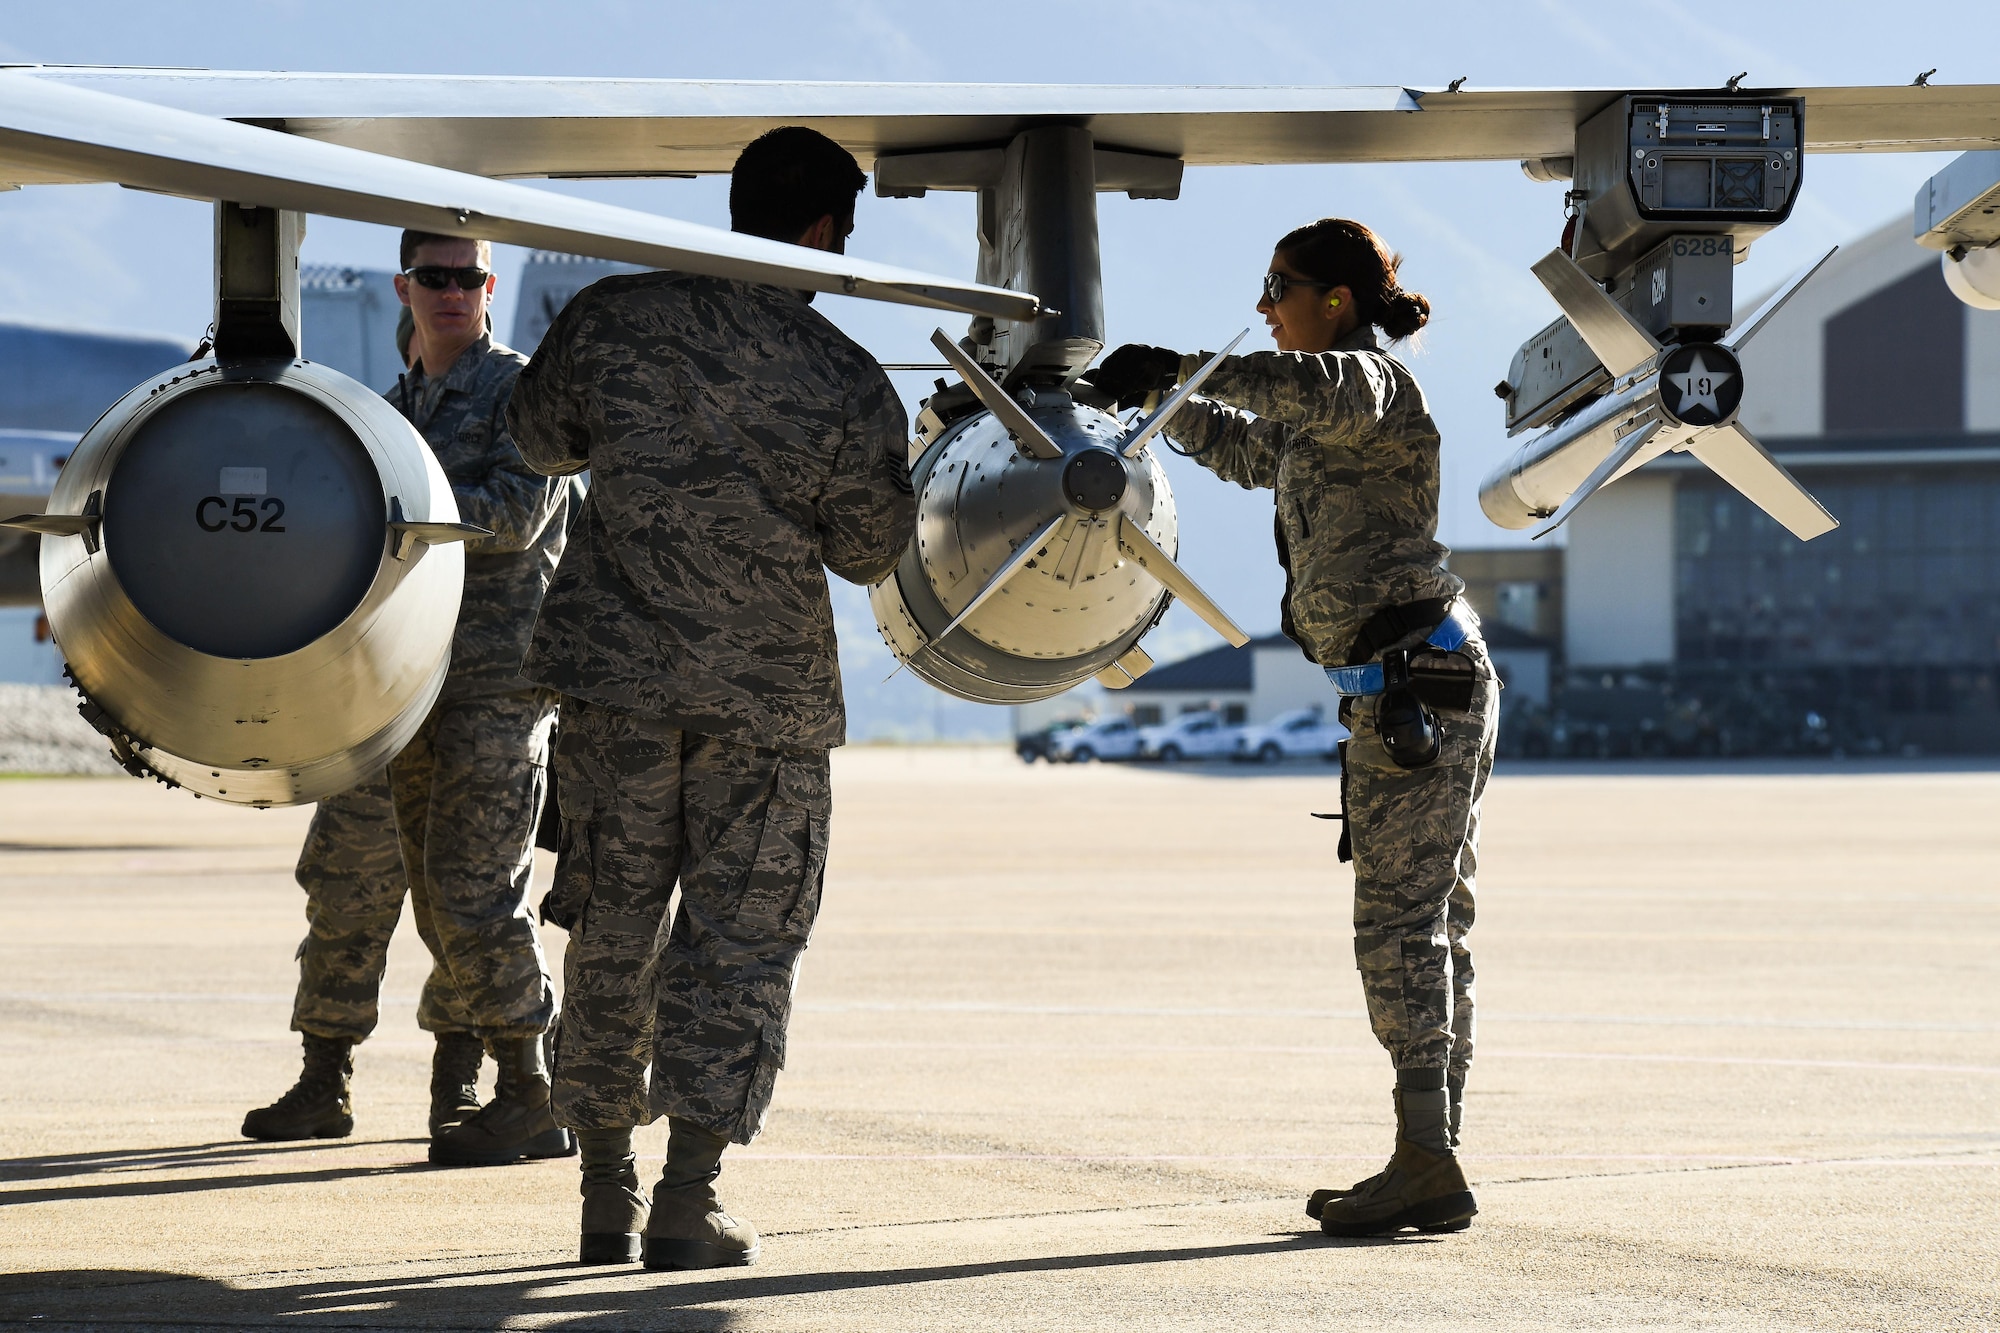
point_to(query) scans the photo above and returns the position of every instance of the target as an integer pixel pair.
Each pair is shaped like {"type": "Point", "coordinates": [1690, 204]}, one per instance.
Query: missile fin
{"type": "Point", "coordinates": [410, 532]}
{"type": "Point", "coordinates": [1022, 555]}
{"type": "Point", "coordinates": [1613, 335]}
{"type": "Point", "coordinates": [996, 400]}
{"type": "Point", "coordinates": [437, 534]}
{"type": "Point", "coordinates": [1735, 455]}
{"type": "Point", "coordinates": [53, 525]}
{"type": "Point", "coordinates": [1136, 662]}
{"type": "Point", "coordinates": [1613, 465]}
{"type": "Point", "coordinates": [1749, 328]}
{"type": "Point", "coordinates": [1158, 421]}
{"type": "Point", "coordinates": [1133, 540]}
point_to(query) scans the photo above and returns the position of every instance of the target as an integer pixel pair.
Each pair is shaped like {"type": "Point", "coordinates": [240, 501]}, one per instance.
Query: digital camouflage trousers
{"type": "Point", "coordinates": [351, 868]}
{"type": "Point", "coordinates": [686, 1020]}
{"type": "Point", "coordinates": [468, 791]}
{"type": "Point", "coordinates": [1415, 835]}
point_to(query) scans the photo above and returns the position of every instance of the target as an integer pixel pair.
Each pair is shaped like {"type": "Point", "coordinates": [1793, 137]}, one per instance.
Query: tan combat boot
{"type": "Point", "coordinates": [614, 1207]}
{"type": "Point", "coordinates": [688, 1227]}
{"type": "Point", "coordinates": [454, 1080]}
{"type": "Point", "coordinates": [517, 1124]}
{"type": "Point", "coordinates": [1422, 1187]}
{"type": "Point", "coordinates": [1316, 1202]}
{"type": "Point", "coordinates": [320, 1105]}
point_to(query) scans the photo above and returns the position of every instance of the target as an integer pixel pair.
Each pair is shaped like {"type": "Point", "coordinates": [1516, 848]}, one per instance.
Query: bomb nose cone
{"type": "Point", "coordinates": [1095, 480]}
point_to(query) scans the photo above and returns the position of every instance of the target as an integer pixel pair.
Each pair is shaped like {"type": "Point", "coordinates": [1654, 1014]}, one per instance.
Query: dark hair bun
{"type": "Point", "coordinates": [1344, 253]}
{"type": "Point", "coordinates": [1402, 313]}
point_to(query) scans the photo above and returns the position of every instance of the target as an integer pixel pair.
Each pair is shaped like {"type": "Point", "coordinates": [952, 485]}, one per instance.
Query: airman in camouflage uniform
{"type": "Point", "coordinates": [1345, 439]}
{"type": "Point", "coordinates": [459, 803]}
{"type": "Point", "coordinates": [468, 788]}
{"type": "Point", "coordinates": [737, 442]}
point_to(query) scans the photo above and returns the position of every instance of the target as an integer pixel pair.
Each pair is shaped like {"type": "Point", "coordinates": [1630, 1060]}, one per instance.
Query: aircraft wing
{"type": "Point", "coordinates": [586, 127]}
{"type": "Point", "coordinates": [76, 133]}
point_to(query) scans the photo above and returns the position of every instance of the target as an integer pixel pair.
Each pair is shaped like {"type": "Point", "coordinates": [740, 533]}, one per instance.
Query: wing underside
{"type": "Point", "coordinates": [83, 134]}
{"type": "Point", "coordinates": [434, 152]}
{"type": "Point", "coordinates": [509, 127]}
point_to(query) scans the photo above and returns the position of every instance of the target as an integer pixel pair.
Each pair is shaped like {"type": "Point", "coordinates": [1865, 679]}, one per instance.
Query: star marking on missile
{"type": "Point", "coordinates": [1698, 387]}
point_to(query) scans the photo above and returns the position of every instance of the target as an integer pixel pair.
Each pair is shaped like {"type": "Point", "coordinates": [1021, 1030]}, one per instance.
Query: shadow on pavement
{"type": "Point", "coordinates": [167, 1159]}
{"type": "Point", "coordinates": [105, 847]}
{"type": "Point", "coordinates": [1613, 768]}
{"type": "Point", "coordinates": [96, 1166]}
{"type": "Point", "coordinates": [554, 1294]}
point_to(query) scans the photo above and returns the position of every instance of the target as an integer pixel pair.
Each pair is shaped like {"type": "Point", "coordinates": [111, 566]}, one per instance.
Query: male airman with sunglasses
{"type": "Point", "coordinates": [467, 791]}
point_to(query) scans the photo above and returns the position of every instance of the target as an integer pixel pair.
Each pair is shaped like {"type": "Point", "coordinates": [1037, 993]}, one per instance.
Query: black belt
{"type": "Point", "coordinates": [1393, 623]}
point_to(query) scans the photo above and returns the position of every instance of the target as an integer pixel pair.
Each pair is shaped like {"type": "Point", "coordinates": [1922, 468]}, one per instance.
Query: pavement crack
{"type": "Point", "coordinates": [1031, 1216]}
{"type": "Point", "coordinates": [1787, 1163]}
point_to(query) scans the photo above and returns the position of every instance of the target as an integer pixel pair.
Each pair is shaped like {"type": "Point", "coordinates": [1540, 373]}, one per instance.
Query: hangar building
{"type": "Point", "coordinates": [1676, 597]}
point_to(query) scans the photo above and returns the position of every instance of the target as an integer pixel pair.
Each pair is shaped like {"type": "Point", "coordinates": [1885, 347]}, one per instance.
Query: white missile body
{"type": "Point", "coordinates": [1681, 398]}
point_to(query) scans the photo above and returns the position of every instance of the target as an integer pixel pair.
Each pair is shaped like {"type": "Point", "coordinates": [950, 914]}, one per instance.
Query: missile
{"type": "Point", "coordinates": [1682, 398]}
{"type": "Point", "coordinates": [1958, 212]}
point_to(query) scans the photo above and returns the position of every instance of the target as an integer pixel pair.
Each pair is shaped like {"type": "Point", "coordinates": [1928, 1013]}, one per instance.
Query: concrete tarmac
{"type": "Point", "coordinates": [1072, 1046]}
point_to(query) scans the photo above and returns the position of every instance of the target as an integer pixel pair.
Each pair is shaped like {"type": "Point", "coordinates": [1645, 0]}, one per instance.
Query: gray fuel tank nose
{"type": "Point", "coordinates": [244, 520]}
{"type": "Point", "coordinates": [1094, 479]}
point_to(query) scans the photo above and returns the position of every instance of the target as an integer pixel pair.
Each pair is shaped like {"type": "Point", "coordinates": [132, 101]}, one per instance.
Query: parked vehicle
{"type": "Point", "coordinates": [1113, 738]}
{"type": "Point", "coordinates": [1301, 734]}
{"type": "Point", "coordinates": [1202, 735]}
{"type": "Point", "coordinates": [1040, 743]}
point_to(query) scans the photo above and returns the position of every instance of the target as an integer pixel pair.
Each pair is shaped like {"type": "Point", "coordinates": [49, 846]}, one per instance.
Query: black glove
{"type": "Point", "coordinates": [1135, 370]}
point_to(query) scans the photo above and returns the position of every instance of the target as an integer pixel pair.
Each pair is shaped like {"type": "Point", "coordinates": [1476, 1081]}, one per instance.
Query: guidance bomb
{"type": "Point", "coordinates": [1042, 550]}
{"type": "Point", "coordinates": [252, 571]}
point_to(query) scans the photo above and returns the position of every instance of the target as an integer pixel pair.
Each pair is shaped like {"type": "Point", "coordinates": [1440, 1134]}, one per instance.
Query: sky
{"type": "Point", "coordinates": [1181, 273]}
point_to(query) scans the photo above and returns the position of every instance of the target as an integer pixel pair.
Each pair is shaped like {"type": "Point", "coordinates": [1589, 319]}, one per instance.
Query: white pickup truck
{"type": "Point", "coordinates": [1202, 735]}
{"type": "Point", "coordinates": [1300, 734]}
{"type": "Point", "coordinates": [1113, 738]}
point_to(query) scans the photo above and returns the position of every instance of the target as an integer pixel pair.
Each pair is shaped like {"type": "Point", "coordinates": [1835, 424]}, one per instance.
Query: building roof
{"type": "Point", "coordinates": [1223, 668]}
{"type": "Point", "coordinates": [335, 277]}
{"type": "Point", "coordinates": [62, 379]}
{"type": "Point", "coordinates": [1499, 634]}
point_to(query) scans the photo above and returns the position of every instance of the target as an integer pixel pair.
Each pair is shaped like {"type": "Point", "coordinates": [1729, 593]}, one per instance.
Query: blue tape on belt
{"type": "Point", "coordinates": [1356, 679]}
{"type": "Point", "coordinates": [1449, 636]}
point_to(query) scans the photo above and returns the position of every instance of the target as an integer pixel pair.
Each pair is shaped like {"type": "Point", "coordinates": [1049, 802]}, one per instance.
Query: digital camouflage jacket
{"type": "Point", "coordinates": [1346, 441]}
{"type": "Point", "coordinates": [463, 416]}
{"type": "Point", "coordinates": [737, 442]}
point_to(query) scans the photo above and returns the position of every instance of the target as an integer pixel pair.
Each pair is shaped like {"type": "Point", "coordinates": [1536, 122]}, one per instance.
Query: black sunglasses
{"type": "Point", "coordinates": [1277, 284]}
{"type": "Point", "coordinates": [437, 277]}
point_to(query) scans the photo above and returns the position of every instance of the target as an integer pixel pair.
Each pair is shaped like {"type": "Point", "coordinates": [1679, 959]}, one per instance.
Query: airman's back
{"type": "Point", "coordinates": [737, 441]}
